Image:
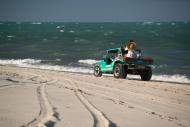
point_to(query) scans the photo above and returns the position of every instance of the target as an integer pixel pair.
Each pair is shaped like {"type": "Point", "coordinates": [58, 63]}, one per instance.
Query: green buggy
{"type": "Point", "coordinates": [115, 62]}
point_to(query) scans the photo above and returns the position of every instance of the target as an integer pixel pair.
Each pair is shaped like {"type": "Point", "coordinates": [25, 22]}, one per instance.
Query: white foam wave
{"type": "Point", "coordinates": [71, 31]}
{"type": "Point", "coordinates": [108, 33]}
{"type": "Point", "coordinates": [58, 59]}
{"type": "Point", "coordinates": [32, 63]}
{"type": "Point", "coordinates": [10, 36]}
{"type": "Point", "coordinates": [65, 68]}
{"type": "Point", "coordinates": [167, 78]}
{"type": "Point", "coordinates": [58, 27]}
{"type": "Point", "coordinates": [148, 22]}
{"type": "Point", "coordinates": [61, 31]}
{"type": "Point", "coordinates": [36, 23]}
{"type": "Point", "coordinates": [159, 23]}
{"type": "Point", "coordinates": [76, 40]}
{"type": "Point", "coordinates": [172, 78]}
{"type": "Point", "coordinates": [87, 61]}
{"type": "Point", "coordinates": [20, 62]}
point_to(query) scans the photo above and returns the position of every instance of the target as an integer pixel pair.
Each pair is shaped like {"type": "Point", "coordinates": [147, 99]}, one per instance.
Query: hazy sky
{"type": "Point", "coordinates": [95, 10]}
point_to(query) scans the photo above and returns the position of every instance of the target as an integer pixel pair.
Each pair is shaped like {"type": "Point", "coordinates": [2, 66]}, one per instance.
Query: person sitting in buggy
{"type": "Point", "coordinates": [131, 51]}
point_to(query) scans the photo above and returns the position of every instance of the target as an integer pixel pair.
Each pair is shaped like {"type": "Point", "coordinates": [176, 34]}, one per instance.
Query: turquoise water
{"type": "Point", "coordinates": [65, 44]}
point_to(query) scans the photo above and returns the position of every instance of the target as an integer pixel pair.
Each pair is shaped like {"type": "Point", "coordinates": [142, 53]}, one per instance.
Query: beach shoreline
{"type": "Point", "coordinates": [36, 97]}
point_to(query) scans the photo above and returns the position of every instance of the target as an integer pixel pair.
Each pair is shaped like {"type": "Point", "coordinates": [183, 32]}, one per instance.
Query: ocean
{"type": "Point", "coordinates": [76, 46]}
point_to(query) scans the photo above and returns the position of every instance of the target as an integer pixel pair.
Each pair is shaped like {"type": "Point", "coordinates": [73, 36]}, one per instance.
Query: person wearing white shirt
{"type": "Point", "coordinates": [131, 47]}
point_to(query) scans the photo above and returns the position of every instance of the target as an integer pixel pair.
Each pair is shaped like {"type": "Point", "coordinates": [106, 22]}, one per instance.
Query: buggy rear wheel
{"type": "Point", "coordinates": [147, 75]}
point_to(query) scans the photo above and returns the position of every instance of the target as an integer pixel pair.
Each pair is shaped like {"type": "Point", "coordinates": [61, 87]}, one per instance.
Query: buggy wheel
{"type": "Point", "coordinates": [119, 71]}
{"type": "Point", "coordinates": [97, 71]}
{"type": "Point", "coordinates": [147, 75]}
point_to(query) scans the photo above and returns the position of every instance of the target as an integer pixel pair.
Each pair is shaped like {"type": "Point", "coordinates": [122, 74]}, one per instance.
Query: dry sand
{"type": "Point", "coordinates": [34, 97]}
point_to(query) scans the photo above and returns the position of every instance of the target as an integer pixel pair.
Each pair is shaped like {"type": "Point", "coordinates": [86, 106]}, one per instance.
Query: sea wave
{"type": "Point", "coordinates": [172, 78]}
{"type": "Point", "coordinates": [36, 23]}
{"type": "Point", "coordinates": [33, 63]}
{"type": "Point", "coordinates": [10, 36]}
{"type": "Point", "coordinates": [71, 31]}
{"type": "Point", "coordinates": [159, 66]}
{"type": "Point", "coordinates": [61, 31]}
{"type": "Point", "coordinates": [154, 32]}
{"type": "Point", "coordinates": [88, 61]}
{"type": "Point", "coordinates": [58, 27]}
{"type": "Point", "coordinates": [176, 78]}
{"type": "Point", "coordinates": [158, 23]}
{"type": "Point", "coordinates": [20, 62]}
{"type": "Point", "coordinates": [148, 23]}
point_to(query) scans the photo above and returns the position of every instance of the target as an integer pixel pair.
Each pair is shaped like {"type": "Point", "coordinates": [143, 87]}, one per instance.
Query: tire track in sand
{"type": "Point", "coordinates": [48, 115]}
{"type": "Point", "coordinates": [100, 120]}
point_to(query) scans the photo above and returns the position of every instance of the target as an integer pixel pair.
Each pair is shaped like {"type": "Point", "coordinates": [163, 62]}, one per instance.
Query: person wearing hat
{"type": "Point", "coordinates": [131, 47]}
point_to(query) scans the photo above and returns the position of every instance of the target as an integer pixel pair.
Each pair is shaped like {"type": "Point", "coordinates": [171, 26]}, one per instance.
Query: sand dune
{"type": "Point", "coordinates": [38, 98]}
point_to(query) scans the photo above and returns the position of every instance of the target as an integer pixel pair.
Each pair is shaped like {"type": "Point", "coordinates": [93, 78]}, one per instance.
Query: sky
{"type": "Point", "coordinates": [95, 10]}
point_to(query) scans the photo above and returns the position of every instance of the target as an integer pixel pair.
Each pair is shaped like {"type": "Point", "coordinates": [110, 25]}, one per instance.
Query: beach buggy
{"type": "Point", "coordinates": [115, 62]}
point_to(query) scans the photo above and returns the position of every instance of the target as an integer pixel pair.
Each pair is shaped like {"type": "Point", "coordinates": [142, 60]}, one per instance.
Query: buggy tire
{"type": "Point", "coordinates": [147, 75]}
{"type": "Point", "coordinates": [97, 71]}
{"type": "Point", "coordinates": [119, 71]}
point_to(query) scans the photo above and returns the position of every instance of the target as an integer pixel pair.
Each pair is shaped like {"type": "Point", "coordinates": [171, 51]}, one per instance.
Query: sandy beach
{"type": "Point", "coordinates": [39, 98]}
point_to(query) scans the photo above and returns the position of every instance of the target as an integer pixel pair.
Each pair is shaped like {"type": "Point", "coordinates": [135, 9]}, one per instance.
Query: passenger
{"type": "Point", "coordinates": [131, 48]}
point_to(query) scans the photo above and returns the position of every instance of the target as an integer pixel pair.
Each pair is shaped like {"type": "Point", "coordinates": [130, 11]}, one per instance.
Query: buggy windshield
{"type": "Point", "coordinates": [113, 53]}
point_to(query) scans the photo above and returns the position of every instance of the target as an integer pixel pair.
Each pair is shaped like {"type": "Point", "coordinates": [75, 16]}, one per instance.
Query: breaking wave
{"type": "Point", "coordinates": [87, 61]}
{"type": "Point", "coordinates": [33, 63]}
{"type": "Point", "coordinates": [20, 62]}
{"type": "Point", "coordinates": [176, 78]}
{"type": "Point", "coordinates": [71, 31]}
{"type": "Point", "coordinates": [171, 78]}
{"type": "Point", "coordinates": [36, 23]}
{"type": "Point", "coordinates": [147, 23]}
{"type": "Point", "coordinates": [10, 36]}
